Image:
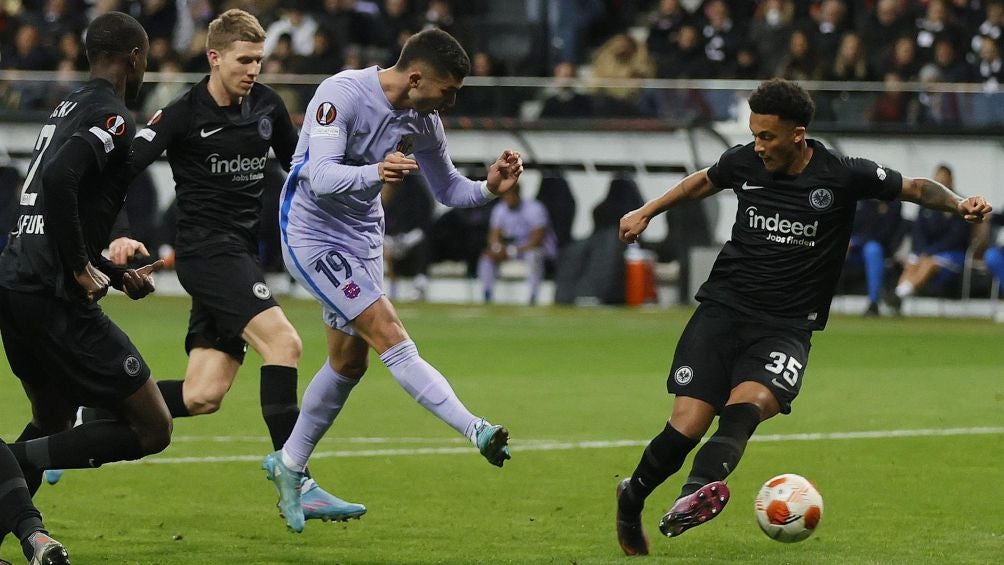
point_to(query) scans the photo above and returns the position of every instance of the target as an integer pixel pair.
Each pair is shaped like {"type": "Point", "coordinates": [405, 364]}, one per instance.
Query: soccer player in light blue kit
{"type": "Point", "coordinates": [359, 129]}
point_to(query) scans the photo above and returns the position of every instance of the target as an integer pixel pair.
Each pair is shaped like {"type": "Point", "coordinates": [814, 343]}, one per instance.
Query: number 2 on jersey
{"type": "Point", "coordinates": [787, 367]}
{"type": "Point", "coordinates": [41, 144]}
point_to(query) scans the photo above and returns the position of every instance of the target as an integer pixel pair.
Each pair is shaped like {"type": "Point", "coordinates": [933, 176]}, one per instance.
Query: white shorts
{"type": "Point", "coordinates": [344, 284]}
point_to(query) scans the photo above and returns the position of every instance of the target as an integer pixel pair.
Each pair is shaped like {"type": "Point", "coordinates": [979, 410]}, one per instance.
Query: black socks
{"type": "Point", "coordinates": [17, 513]}
{"type": "Point", "coordinates": [278, 402]}
{"type": "Point", "coordinates": [32, 478]}
{"type": "Point", "coordinates": [87, 445]}
{"type": "Point", "coordinates": [663, 456]}
{"type": "Point", "coordinates": [173, 397]}
{"type": "Point", "coordinates": [720, 455]}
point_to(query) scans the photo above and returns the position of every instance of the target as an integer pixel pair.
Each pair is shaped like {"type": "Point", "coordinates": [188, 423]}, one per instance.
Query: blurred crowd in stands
{"type": "Point", "coordinates": [888, 42]}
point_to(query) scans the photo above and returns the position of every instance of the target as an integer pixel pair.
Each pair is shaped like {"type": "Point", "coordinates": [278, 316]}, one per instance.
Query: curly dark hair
{"type": "Point", "coordinates": [439, 50]}
{"type": "Point", "coordinates": [784, 99]}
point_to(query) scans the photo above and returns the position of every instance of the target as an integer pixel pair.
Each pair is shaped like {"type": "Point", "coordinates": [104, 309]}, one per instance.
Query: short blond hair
{"type": "Point", "coordinates": [233, 25]}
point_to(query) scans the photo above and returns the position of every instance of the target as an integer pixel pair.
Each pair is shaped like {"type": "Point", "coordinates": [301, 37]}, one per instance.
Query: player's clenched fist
{"type": "Point", "coordinates": [395, 167]}
{"type": "Point", "coordinates": [974, 208]}
{"type": "Point", "coordinates": [631, 225]}
{"type": "Point", "coordinates": [504, 172]}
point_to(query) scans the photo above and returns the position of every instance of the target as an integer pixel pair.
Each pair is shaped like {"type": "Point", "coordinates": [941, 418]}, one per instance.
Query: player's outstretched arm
{"type": "Point", "coordinates": [504, 172]}
{"type": "Point", "coordinates": [932, 194]}
{"type": "Point", "coordinates": [694, 187]}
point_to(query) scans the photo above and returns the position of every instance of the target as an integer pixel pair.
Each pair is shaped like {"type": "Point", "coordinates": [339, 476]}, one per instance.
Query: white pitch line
{"type": "Point", "coordinates": [265, 439]}
{"type": "Point", "coordinates": [551, 445]}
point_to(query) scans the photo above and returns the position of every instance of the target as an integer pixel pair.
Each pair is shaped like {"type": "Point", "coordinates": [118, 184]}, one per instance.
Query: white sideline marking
{"type": "Point", "coordinates": [538, 444]}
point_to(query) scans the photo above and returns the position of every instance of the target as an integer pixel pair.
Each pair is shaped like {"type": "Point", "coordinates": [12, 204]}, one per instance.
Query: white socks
{"type": "Point", "coordinates": [328, 392]}
{"type": "Point", "coordinates": [428, 386]}
{"type": "Point", "coordinates": [322, 401]}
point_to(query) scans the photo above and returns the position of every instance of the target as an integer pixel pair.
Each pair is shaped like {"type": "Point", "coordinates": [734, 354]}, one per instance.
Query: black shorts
{"type": "Point", "coordinates": [228, 289]}
{"type": "Point", "coordinates": [72, 347]}
{"type": "Point", "coordinates": [721, 348]}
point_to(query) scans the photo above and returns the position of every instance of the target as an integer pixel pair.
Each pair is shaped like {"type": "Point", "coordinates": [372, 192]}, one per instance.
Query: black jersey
{"type": "Point", "coordinates": [60, 228]}
{"type": "Point", "coordinates": [790, 236]}
{"type": "Point", "coordinates": [218, 157]}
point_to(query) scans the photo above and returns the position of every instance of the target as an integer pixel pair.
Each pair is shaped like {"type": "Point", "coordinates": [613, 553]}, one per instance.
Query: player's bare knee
{"type": "Point", "coordinates": [157, 441]}
{"type": "Point", "coordinates": [155, 436]}
{"type": "Point", "coordinates": [751, 392]}
{"type": "Point", "coordinates": [204, 402]}
{"type": "Point", "coordinates": [294, 346]}
{"type": "Point", "coordinates": [283, 348]}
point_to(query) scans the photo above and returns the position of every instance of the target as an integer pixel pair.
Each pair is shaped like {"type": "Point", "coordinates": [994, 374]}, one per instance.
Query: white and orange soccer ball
{"type": "Point", "coordinates": [788, 508]}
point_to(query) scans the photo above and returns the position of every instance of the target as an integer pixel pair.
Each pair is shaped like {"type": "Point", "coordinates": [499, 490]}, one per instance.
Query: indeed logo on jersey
{"type": "Point", "coordinates": [783, 231]}
{"type": "Point", "coordinates": [243, 168]}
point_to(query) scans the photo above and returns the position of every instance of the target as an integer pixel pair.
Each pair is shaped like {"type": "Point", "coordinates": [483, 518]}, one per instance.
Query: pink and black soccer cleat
{"type": "Point", "coordinates": [695, 509]}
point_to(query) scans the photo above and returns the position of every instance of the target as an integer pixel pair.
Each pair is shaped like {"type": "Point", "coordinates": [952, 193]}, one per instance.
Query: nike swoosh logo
{"type": "Point", "coordinates": [748, 186]}
{"type": "Point", "coordinates": [779, 385]}
{"type": "Point", "coordinates": [206, 134]}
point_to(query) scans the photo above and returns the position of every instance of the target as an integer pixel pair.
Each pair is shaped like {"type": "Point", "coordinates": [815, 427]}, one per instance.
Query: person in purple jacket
{"type": "Point", "coordinates": [364, 128]}
{"type": "Point", "coordinates": [519, 230]}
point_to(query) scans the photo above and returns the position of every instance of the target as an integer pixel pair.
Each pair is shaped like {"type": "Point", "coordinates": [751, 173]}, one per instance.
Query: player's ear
{"type": "Point", "coordinates": [799, 134]}
{"type": "Point", "coordinates": [414, 77]}
{"type": "Point", "coordinates": [213, 56]}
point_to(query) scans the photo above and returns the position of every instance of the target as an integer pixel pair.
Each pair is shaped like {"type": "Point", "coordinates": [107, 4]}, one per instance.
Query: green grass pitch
{"type": "Point", "coordinates": [581, 390]}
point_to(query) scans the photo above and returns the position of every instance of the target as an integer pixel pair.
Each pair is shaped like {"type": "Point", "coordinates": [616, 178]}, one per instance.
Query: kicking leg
{"type": "Point", "coordinates": [704, 494]}
{"type": "Point", "coordinates": [380, 326]}
{"type": "Point", "coordinates": [663, 456]}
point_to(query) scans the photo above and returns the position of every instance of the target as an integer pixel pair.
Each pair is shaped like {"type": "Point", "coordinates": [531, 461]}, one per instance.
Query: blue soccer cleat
{"type": "Point", "coordinates": [318, 504]}
{"type": "Point", "coordinates": [52, 476]}
{"type": "Point", "coordinates": [288, 483]}
{"type": "Point", "coordinates": [492, 442]}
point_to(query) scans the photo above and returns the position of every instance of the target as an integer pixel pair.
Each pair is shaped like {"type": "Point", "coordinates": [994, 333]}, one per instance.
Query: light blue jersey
{"type": "Point", "coordinates": [332, 194]}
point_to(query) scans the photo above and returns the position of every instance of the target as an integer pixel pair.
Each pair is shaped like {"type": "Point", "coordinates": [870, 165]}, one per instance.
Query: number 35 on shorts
{"type": "Point", "coordinates": [787, 367]}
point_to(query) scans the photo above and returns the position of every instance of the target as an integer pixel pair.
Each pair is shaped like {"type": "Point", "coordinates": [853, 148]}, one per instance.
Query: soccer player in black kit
{"type": "Point", "coordinates": [743, 354]}
{"type": "Point", "coordinates": [217, 137]}
{"type": "Point", "coordinates": [59, 343]}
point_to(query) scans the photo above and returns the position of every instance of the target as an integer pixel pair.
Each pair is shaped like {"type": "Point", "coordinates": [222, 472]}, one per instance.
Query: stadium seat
{"type": "Point", "coordinates": [555, 194]}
